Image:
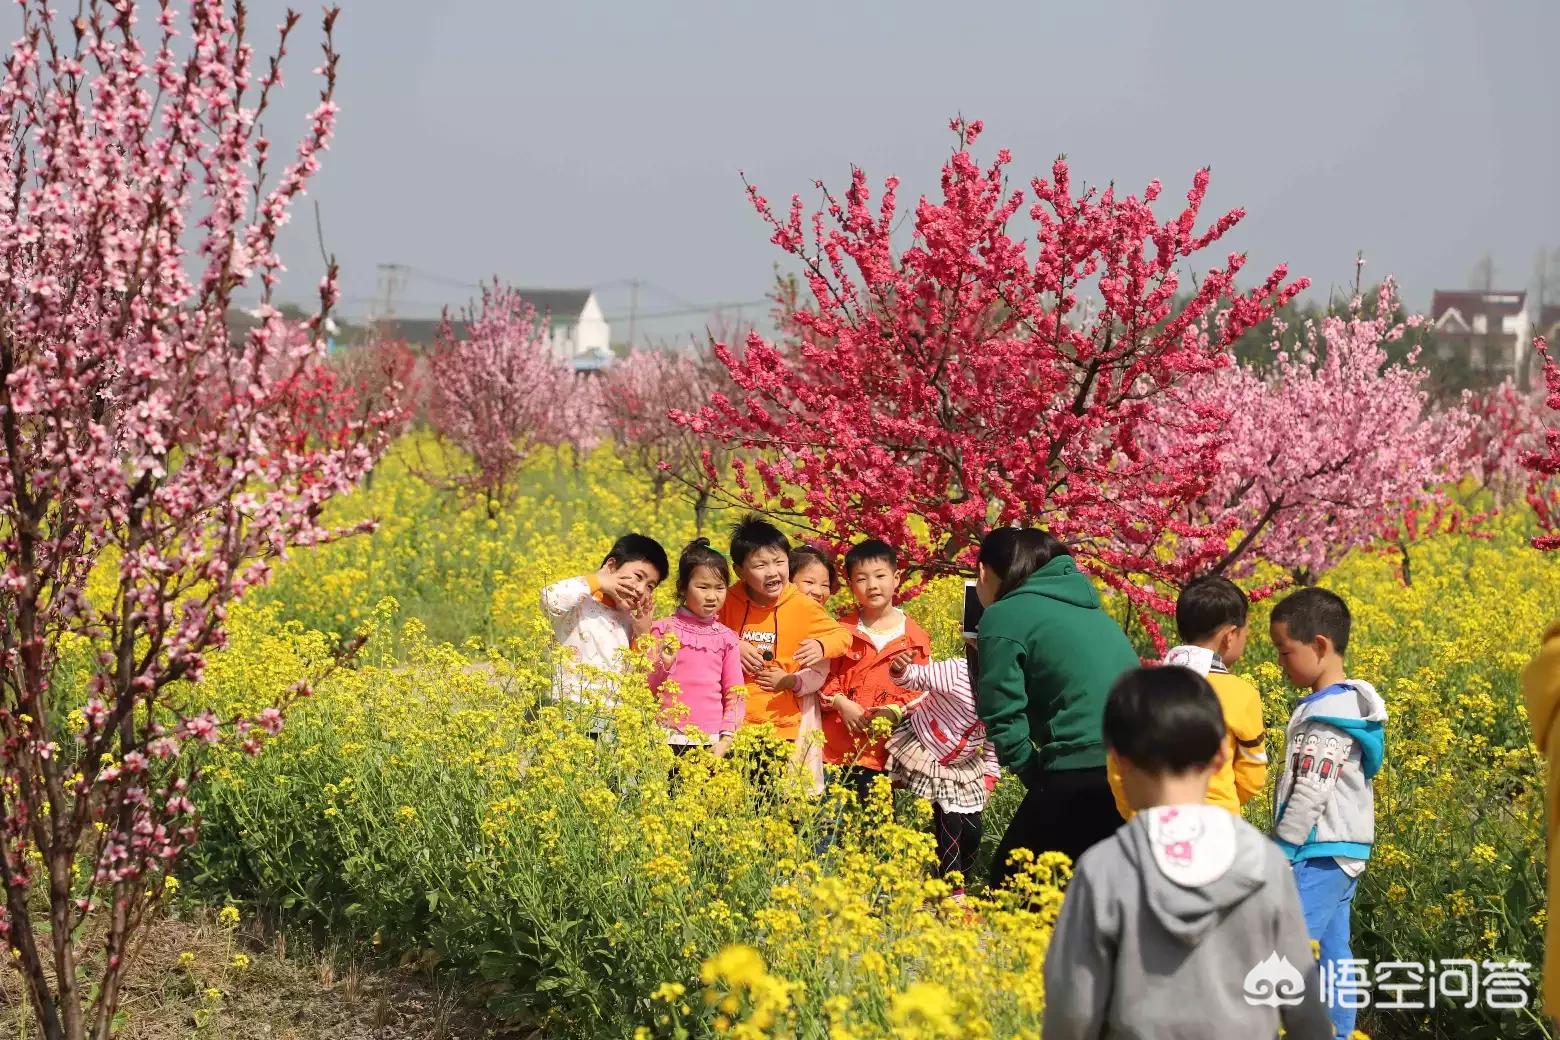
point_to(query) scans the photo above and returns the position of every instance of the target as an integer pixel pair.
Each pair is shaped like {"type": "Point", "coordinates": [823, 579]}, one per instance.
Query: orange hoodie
{"type": "Point", "coordinates": [862, 676]}
{"type": "Point", "coordinates": [780, 629]}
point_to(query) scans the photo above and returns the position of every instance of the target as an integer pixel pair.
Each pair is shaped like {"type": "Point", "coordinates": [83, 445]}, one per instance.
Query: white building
{"type": "Point", "coordinates": [577, 330]}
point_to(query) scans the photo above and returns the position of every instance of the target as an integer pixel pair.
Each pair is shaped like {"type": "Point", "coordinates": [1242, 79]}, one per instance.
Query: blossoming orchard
{"type": "Point", "coordinates": [342, 633]}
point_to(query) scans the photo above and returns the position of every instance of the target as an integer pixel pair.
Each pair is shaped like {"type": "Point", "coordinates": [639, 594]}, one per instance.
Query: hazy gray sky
{"type": "Point", "coordinates": [587, 143]}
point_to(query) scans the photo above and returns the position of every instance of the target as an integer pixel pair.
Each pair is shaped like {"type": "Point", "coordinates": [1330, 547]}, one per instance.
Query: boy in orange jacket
{"type": "Point", "coordinates": [786, 638]}
{"type": "Point", "coordinates": [861, 684]}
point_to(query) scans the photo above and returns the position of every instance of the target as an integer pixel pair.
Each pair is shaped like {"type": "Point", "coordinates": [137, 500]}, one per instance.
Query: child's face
{"type": "Point", "coordinates": [706, 592]}
{"type": "Point", "coordinates": [873, 584]}
{"type": "Point", "coordinates": [765, 573]}
{"type": "Point", "coordinates": [638, 580]}
{"type": "Point", "coordinates": [813, 580]}
{"type": "Point", "coordinates": [1302, 662]}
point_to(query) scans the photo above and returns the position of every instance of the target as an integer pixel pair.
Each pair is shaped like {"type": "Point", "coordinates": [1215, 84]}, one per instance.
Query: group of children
{"type": "Point", "coordinates": [1162, 922]}
{"type": "Point", "coordinates": [765, 650]}
{"type": "Point", "coordinates": [1181, 924]}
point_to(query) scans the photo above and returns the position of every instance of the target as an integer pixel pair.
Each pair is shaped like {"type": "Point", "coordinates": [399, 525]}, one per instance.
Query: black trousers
{"type": "Point", "coordinates": [1067, 811]}
{"type": "Point", "coordinates": [958, 842]}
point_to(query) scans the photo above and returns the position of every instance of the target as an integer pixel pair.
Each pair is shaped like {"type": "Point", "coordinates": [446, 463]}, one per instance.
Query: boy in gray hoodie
{"type": "Point", "coordinates": [1185, 925]}
{"type": "Point", "coordinates": [1324, 810]}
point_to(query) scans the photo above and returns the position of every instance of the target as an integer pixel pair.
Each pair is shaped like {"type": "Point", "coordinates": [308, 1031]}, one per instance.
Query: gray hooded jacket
{"type": "Point", "coordinates": [1185, 925]}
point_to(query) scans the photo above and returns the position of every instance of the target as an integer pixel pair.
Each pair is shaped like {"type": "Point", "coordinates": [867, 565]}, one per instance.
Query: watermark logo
{"type": "Point", "coordinates": [1274, 982]}
{"type": "Point", "coordinates": [1395, 985]}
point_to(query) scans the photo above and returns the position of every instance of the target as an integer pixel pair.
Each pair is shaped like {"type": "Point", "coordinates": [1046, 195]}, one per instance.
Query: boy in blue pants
{"type": "Point", "coordinates": [1324, 811]}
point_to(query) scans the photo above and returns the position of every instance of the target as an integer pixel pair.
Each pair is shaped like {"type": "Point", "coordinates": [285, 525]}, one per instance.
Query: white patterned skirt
{"type": "Point", "coordinates": [959, 787]}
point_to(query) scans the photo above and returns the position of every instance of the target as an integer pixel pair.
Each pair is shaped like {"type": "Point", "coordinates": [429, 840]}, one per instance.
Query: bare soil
{"type": "Point", "coordinates": [186, 983]}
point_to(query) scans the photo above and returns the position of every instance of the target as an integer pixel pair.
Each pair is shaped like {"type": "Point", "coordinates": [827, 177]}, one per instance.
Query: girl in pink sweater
{"type": "Point", "coordinates": [698, 661]}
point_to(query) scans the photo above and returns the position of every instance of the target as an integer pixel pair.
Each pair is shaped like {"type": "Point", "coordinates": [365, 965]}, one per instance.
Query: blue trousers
{"type": "Point", "coordinates": [1326, 893]}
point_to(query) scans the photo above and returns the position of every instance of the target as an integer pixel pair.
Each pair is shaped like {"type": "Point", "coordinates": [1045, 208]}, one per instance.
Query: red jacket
{"type": "Point", "coordinates": [862, 676]}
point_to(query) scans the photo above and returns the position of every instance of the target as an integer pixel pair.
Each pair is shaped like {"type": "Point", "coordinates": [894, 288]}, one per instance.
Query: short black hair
{"type": "Point", "coordinates": [1207, 605]}
{"type": "Point", "coordinates": [804, 556]}
{"type": "Point", "coordinates": [870, 551]}
{"type": "Point", "coordinates": [696, 554]}
{"type": "Point", "coordinates": [632, 548]}
{"type": "Point", "coordinates": [1014, 553]}
{"type": "Point", "coordinates": [1164, 719]}
{"type": "Point", "coordinates": [753, 533]}
{"type": "Point", "coordinates": [1314, 612]}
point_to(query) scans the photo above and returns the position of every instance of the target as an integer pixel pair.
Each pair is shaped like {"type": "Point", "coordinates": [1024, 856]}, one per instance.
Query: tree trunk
{"type": "Point", "coordinates": [701, 507]}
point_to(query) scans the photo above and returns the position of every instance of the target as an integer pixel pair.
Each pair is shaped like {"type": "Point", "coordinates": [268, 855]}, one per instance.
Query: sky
{"type": "Point", "coordinates": [587, 143]}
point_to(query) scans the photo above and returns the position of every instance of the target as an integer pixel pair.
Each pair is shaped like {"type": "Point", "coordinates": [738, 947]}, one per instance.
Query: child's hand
{"type": "Point", "coordinates": [643, 619]}
{"type": "Point", "coordinates": [615, 587]}
{"type": "Point", "coordinates": [752, 658]}
{"type": "Point", "coordinates": [852, 714]}
{"type": "Point", "coordinates": [772, 678]}
{"type": "Point", "coordinates": [722, 747]}
{"type": "Point", "coordinates": [893, 715]}
{"type": "Point", "coordinates": [991, 783]}
{"type": "Point", "coordinates": [809, 653]}
{"type": "Point", "coordinates": [668, 653]}
{"type": "Point", "coordinates": [900, 663]}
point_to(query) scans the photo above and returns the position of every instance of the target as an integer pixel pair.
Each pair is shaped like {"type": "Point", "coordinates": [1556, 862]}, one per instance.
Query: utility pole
{"type": "Point", "coordinates": [633, 309]}
{"type": "Point", "coordinates": [392, 279]}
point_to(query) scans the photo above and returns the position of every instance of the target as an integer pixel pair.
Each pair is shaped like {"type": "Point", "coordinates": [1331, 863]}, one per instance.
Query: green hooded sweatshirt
{"type": "Point", "coordinates": [1048, 656]}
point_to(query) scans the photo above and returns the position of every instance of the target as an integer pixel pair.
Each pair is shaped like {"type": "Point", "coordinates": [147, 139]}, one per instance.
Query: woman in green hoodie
{"type": "Point", "coordinates": [1048, 654]}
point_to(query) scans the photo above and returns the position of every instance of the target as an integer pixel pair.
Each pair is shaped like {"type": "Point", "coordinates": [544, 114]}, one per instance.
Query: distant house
{"type": "Point", "coordinates": [577, 330]}
{"type": "Point", "coordinates": [1492, 331]}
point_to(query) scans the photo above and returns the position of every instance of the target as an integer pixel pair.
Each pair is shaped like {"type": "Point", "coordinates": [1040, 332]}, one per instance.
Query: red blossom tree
{"type": "Point", "coordinates": [1544, 463]}
{"type": "Point", "coordinates": [142, 441]}
{"type": "Point", "coordinates": [1325, 447]}
{"type": "Point", "coordinates": [498, 393]}
{"type": "Point", "coordinates": [639, 395]}
{"type": "Point", "coordinates": [934, 391]}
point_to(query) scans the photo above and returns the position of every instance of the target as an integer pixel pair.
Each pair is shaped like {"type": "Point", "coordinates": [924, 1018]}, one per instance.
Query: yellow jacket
{"type": "Point", "coordinates": [1541, 690]}
{"type": "Point", "coordinates": [1245, 767]}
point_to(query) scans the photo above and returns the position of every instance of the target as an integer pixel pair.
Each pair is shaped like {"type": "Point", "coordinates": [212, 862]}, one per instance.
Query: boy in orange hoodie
{"type": "Point", "coordinates": [861, 684]}
{"type": "Point", "coordinates": [785, 637]}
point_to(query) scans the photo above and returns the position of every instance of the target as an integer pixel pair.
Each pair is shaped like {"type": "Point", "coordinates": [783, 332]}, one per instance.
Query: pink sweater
{"type": "Point", "coordinates": [707, 671]}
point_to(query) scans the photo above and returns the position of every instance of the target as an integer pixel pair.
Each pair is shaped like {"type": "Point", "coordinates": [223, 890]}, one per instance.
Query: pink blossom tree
{"type": "Point", "coordinates": [1325, 447]}
{"type": "Point", "coordinates": [929, 393]}
{"type": "Point", "coordinates": [1543, 463]}
{"type": "Point", "coordinates": [497, 394]}
{"type": "Point", "coordinates": [144, 442]}
{"type": "Point", "coordinates": [639, 396]}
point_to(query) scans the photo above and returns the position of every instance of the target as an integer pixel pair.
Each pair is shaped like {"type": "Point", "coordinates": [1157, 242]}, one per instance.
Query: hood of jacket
{"type": "Point", "coordinates": [1366, 723]}
{"type": "Point", "coordinates": [1195, 863]}
{"type": "Point", "coordinates": [1060, 580]}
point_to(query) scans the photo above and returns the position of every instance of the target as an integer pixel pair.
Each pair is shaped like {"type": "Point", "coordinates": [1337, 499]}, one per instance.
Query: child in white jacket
{"type": "Point", "coordinates": [597, 616]}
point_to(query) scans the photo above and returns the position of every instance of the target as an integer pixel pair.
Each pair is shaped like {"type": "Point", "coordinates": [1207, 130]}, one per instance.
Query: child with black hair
{"type": "Point", "coordinates": [782, 634]}
{"type": "Point", "coordinates": [698, 668]}
{"type": "Point", "coordinates": [1324, 809]}
{"type": "Point", "coordinates": [861, 687]}
{"type": "Point", "coordinates": [596, 617]}
{"type": "Point", "coordinates": [1164, 921]}
{"type": "Point", "coordinates": [1210, 615]}
{"type": "Point", "coordinates": [813, 572]}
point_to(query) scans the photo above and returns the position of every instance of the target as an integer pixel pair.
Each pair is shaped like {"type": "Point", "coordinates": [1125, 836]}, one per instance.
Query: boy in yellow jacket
{"type": "Point", "coordinates": [1211, 616]}
{"type": "Point", "coordinates": [1541, 690]}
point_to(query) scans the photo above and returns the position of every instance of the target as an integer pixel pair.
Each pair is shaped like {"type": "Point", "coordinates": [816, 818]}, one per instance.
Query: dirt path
{"type": "Point", "coordinates": [198, 979]}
